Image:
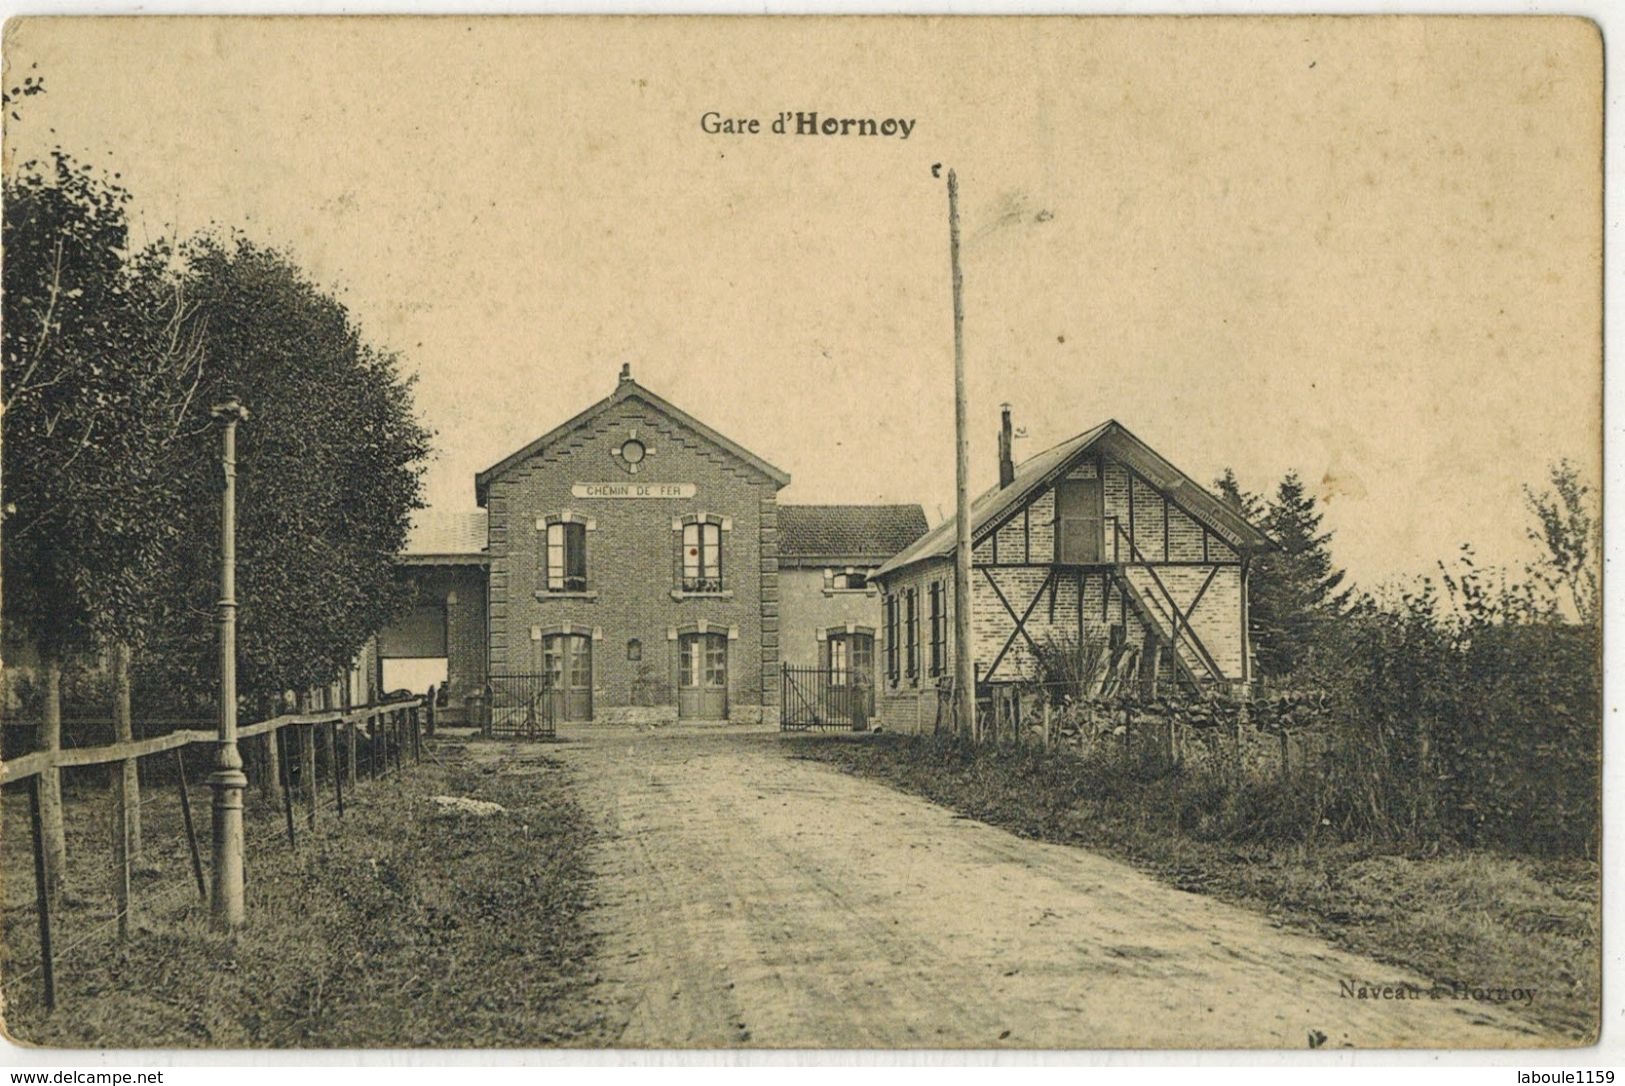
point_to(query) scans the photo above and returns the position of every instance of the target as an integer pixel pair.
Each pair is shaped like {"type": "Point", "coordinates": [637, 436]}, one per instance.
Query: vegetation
{"type": "Point", "coordinates": [112, 360]}
{"type": "Point", "coordinates": [1474, 918]}
{"type": "Point", "coordinates": [1443, 809]}
{"type": "Point", "coordinates": [393, 927]}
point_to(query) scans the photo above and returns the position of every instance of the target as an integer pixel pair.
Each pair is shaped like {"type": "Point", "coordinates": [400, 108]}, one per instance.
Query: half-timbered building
{"type": "Point", "coordinates": [1098, 541]}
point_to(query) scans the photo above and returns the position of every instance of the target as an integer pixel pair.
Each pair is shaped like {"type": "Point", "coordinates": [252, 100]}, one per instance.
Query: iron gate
{"type": "Point", "coordinates": [521, 707]}
{"type": "Point", "coordinates": [819, 698]}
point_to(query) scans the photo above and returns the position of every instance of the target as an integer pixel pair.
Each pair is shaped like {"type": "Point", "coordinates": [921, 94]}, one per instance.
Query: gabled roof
{"type": "Point", "coordinates": [848, 534]}
{"type": "Point", "coordinates": [990, 509]}
{"type": "Point", "coordinates": [628, 389]}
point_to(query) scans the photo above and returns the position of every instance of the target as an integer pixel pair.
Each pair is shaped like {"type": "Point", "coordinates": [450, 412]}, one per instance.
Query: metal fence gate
{"type": "Point", "coordinates": [817, 698]}
{"type": "Point", "coordinates": [521, 707]}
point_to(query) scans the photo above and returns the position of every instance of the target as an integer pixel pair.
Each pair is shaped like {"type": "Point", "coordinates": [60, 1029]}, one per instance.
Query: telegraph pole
{"type": "Point", "coordinates": [228, 780]}
{"type": "Point", "coordinates": [964, 675]}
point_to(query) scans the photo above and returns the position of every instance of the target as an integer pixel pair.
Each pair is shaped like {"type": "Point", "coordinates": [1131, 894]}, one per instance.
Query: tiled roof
{"type": "Point", "coordinates": [435, 532]}
{"type": "Point", "coordinates": [1040, 470]}
{"type": "Point", "coordinates": [848, 532]}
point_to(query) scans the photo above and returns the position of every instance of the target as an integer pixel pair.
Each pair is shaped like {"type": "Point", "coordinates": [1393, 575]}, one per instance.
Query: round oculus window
{"type": "Point", "coordinates": [633, 451]}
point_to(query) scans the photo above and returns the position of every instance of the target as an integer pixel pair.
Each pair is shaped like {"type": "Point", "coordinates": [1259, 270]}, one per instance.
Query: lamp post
{"type": "Point", "coordinates": [228, 780]}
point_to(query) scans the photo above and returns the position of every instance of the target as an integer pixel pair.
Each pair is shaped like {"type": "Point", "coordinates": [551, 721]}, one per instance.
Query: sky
{"type": "Point", "coordinates": [1367, 250]}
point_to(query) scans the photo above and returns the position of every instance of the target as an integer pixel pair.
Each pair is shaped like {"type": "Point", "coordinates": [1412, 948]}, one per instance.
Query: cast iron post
{"type": "Point", "coordinates": [228, 780]}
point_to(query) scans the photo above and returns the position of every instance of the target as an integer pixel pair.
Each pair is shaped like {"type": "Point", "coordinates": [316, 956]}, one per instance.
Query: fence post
{"type": "Point", "coordinates": [307, 750]}
{"type": "Point", "coordinates": [1286, 756]}
{"type": "Point", "coordinates": [1049, 724]}
{"type": "Point", "coordinates": [287, 801]}
{"type": "Point", "coordinates": [191, 831]}
{"type": "Point", "coordinates": [42, 893]}
{"type": "Point", "coordinates": [400, 735]}
{"type": "Point", "coordinates": [271, 770]}
{"type": "Point", "coordinates": [121, 852]}
{"type": "Point", "coordinates": [333, 764]}
{"type": "Point", "coordinates": [350, 754]}
{"type": "Point", "coordinates": [124, 731]}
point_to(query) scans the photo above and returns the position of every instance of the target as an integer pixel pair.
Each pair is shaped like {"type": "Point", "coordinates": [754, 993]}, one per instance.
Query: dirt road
{"type": "Point", "coordinates": [747, 898]}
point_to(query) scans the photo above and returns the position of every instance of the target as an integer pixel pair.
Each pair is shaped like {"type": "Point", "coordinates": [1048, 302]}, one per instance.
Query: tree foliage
{"type": "Point", "coordinates": [328, 473]}
{"type": "Point", "coordinates": [1293, 591]}
{"type": "Point", "coordinates": [111, 460]}
{"type": "Point", "coordinates": [64, 307]}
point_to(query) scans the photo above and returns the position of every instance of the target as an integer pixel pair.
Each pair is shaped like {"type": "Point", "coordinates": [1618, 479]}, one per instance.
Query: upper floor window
{"type": "Point", "coordinates": [567, 556]}
{"type": "Point", "coordinates": [846, 580]}
{"type": "Point", "coordinates": [702, 557]}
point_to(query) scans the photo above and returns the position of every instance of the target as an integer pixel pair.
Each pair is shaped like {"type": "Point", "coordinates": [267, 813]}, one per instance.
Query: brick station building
{"type": "Point", "coordinates": [628, 563]}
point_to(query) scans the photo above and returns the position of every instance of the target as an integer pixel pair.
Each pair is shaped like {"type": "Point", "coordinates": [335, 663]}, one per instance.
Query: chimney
{"type": "Point", "coordinates": [1007, 463]}
{"type": "Point", "coordinates": [626, 371]}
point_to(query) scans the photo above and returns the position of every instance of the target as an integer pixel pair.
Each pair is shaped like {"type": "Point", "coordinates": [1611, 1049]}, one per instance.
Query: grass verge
{"type": "Point", "coordinates": [1472, 918]}
{"type": "Point", "coordinates": [393, 927]}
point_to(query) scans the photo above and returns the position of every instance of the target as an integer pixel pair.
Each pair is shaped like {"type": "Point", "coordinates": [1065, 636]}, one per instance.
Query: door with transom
{"type": "Point", "coordinates": [702, 676]}
{"type": "Point", "coordinates": [567, 668]}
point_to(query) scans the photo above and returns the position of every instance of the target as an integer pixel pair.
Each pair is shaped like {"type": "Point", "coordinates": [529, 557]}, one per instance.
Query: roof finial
{"type": "Point", "coordinates": [626, 371]}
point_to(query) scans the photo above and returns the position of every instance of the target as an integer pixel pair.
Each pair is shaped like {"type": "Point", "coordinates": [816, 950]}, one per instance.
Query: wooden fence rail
{"type": "Point", "coordinates": [395, 727]}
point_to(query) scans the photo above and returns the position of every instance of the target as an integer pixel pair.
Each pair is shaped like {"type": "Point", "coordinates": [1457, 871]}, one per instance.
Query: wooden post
{"type": "Point", "coordinates": [1049, 726]}
{"type": "Point", "coordinates": [964, 676]}
{"type": "Point", "coordinates": [429, 721]}
{"type": "Point", "coordinates": [121, 852]}
{"type": "Point", "coordinates": [124, 732]}
{"type": "Point", "coordinates": [307, 750]}
{"type": "Point", "coordinates": [399, 730]}
{"type": "Point", "coordinates": [42, 891]}
{"type": "Point", "coordinates": [1286, 756]}
{"type": "Point", "coordinates": [270, 771]}
{"type": "Point", "coordinates": [191, 831]}
{"type": "Point", "coordinates": [350, 754]}
{"type": "Point", "coordinates": [333, 765]}
{"type": "Point", "coordinates": [50, 781]}
{"type": "Point", "coordinates": [287, 801]}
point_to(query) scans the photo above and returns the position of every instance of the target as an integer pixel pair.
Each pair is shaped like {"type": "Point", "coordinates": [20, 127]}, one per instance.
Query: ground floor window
{"type": "Point", "coordinates": [849, 658]}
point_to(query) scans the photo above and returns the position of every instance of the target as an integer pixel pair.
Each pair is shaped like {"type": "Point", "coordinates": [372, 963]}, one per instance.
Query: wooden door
{"type": "Point", "coordinates": [1078, 522]}
{"type": "Point", "coordinates": [567, 665]}
{"type": "Point", "coordinates": [702, 676]}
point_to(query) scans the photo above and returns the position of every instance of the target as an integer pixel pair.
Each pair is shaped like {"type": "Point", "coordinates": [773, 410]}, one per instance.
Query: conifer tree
{"type": "Point", "coordinates": [1294, 591]}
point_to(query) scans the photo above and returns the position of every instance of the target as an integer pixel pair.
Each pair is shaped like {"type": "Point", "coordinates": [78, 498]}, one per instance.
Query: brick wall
{"type": "Point", "coordinates": [633, 555]}
{"type": "Point", "coordinates": [807, 609]}
{"type": "Point", "coordinates": [1164, 534]}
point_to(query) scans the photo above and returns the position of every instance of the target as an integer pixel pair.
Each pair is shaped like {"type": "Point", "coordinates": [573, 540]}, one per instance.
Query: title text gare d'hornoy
{"type": "Point", "coordinates": [807, 123]}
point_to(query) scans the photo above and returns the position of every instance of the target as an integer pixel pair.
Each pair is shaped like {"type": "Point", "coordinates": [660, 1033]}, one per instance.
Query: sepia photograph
{"type": "Point", "coordinates": [604, 533]}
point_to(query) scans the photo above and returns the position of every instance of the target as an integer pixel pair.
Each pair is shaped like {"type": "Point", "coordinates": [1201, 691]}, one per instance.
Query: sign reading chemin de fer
{"type": "Point", "coordinates": [633, 490]}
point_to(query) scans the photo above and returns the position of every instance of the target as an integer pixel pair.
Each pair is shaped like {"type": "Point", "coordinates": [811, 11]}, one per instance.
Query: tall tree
{"type": "Point", "coordinates": [1295, 589]}
{"type": "Point", "coordinates": [329, 472]}
{"type": "Point", "coordinates": [65, 237]}
{"type": "Point", "coordinates": [1245, 502]}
